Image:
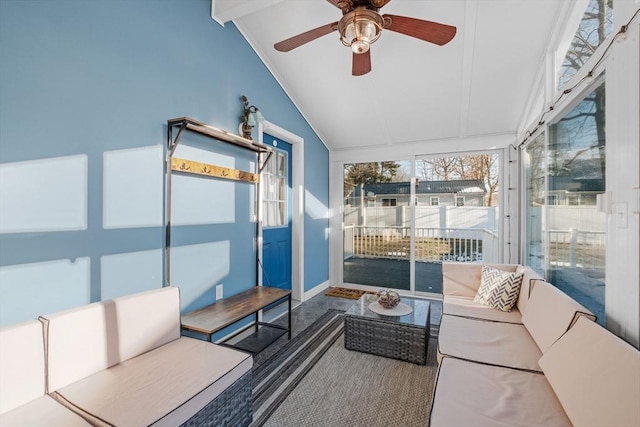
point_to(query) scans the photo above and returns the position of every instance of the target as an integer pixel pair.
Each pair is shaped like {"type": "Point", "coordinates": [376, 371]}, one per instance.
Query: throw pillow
{"type": "Point", "coordinates": [498, 289]}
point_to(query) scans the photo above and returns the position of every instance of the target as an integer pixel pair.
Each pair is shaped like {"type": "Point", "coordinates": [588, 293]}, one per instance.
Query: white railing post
{"type": "Point", "coordinates": [364, 216]}
{"type": "Point", "coordinates": [573, 247]}
{"type": "Point", "coordinates": [348, 241]}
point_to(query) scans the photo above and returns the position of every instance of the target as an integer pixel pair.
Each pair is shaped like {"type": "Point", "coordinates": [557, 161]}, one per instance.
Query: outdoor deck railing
{"type": "Point", "coordinates": [577, 248]}
{"type": "Point", "coordinates": [431, 244]}
{"type": "Point", "coordinates": [569, 248]}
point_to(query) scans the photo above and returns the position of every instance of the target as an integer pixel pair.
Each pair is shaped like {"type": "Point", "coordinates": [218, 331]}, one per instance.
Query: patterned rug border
{"type": "Point", "coordinates": [275, 378]}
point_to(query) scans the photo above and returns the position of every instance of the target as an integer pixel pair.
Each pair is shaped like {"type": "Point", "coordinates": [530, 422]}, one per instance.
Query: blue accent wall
{"type": "Point", "coordinates": [86, 88]}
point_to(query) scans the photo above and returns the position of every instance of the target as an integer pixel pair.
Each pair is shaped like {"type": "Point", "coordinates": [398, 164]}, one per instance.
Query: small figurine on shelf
{"type": "Point", "coordinates": [388, 298]}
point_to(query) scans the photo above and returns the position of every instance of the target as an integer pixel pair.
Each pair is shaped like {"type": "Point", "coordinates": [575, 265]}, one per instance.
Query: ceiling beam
{"type": "Point", "coordinates": [223, 11]}
{"type": "Point", "coordinates": [470, 20]}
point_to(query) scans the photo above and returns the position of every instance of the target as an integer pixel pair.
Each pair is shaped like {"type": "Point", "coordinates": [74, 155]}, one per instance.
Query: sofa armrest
{"type": "Point", "coordinates": [529, 277]}
{"type": "Point", "coordinates": [550, 313]}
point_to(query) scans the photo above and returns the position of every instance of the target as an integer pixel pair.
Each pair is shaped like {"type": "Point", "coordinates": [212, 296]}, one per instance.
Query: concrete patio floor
{"type": "Point", "coordinates": [394, 274]}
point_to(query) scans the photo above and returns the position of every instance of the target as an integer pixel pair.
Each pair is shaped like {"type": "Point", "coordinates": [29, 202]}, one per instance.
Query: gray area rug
{"type": "Point", "coordinates": [315, 381]}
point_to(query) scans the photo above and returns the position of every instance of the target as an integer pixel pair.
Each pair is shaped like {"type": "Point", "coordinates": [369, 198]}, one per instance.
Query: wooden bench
{"type": "Point", "coordinates": [227, 311]}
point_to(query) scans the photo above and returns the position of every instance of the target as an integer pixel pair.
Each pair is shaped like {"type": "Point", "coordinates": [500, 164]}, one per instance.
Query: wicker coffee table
{"type": "Point", "coordinates": [396, 337]}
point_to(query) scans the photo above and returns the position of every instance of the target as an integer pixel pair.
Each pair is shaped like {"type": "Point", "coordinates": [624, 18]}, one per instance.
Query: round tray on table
{"type": "Point", "coordinates": [399, 310]}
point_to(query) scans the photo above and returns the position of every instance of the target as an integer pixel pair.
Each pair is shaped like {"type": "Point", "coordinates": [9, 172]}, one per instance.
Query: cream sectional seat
{"type": "Point", "coordinates": [122, 362]}
{"type": "Point", "coordinates": [23, 401]}
{"type": "Point", "coordinates": [474, 394]}
{"type": "Point", "coordinates": [547, 364]}
{"type": "Point", "coordinates": [489, 342]}
{"type": "Point", "coordinates": [171, 383]}
{"type": "Point", "coordinates": [548, 315]}
{"type": "Point", "coordinates": [453, 305]}
{"type": "Point", "coordinates": [589, 378]}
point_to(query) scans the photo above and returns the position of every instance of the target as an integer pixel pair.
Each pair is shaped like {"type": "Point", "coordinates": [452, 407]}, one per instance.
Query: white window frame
{"type": "Point", "coordinates": [389, 201]}
{"type": "Point", "coordinates": [275, 178]}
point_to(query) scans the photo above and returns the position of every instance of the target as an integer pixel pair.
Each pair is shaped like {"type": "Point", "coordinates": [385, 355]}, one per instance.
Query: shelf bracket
{"type": "Point", "coordinates": [174, 144]}
{"type": "Point", "coordinates": [264, 163]}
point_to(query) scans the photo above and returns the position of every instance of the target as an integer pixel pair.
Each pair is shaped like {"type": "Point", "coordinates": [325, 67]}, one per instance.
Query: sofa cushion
{"type": "Point", "coordinates": [22, 371]}
{"type": "Point", "coordinates": [463, 279]}
{"type": "Point", "coordinates": [466, 307]}
{"type": "Point", "coordinates": [498, 289]}
{"type": "Point", "coordinates": [44, 411]}
{"type": "Point", "coordinates": [494, 343]}
{"type": "Point", "coordinates": [595, 375]}
{"type": "Point", "coordinates": [529, 277]}
{"type": "Point", "coordinates": [550, 313]}
{"type": "Point", "coordinates": [85, 340]}
{"type": "Point", "coordinates": [472, 394]}
{"type": "Point", "coordinates": [147, 320]}
{"type": "Point", "coordinates": [165, 386]}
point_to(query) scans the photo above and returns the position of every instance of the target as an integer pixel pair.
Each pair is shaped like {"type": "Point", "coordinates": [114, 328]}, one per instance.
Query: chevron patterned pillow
{"type": "Point", "coordinates": [498, 289]}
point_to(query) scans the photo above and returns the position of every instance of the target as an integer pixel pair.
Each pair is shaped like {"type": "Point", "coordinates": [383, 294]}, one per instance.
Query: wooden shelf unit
{"type": "Point", "coordinates": [175, 130]}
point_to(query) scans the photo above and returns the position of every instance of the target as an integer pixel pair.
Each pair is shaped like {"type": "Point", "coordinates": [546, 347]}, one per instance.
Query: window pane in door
{"type": "Point", "coordinates": [576, 229]}
{"type": "Point", "coordinates": [282, 164]}
{"type": "Point", "coordinates": [275, 190]}
{"type": "Point", "coordinates": [281, 213]}
{"type": "Point", "coordinates": [282, 189]}
{"type": "Point", "coordinates": [534, 208]}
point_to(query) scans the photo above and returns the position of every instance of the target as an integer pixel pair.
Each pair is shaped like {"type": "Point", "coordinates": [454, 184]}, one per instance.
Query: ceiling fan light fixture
{"type": "Point", "coordinates": [360, 46]}
{"type": "Point", "coordinates": [359, 28]}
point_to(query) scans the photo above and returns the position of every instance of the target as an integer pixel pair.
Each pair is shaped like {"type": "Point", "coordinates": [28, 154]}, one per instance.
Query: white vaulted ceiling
{"type": "Point", "coordinates": [479, 84]}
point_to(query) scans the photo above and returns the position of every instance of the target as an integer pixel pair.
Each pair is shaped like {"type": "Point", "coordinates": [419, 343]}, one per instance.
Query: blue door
{"type": "Point", "coordinates": [276, 215]}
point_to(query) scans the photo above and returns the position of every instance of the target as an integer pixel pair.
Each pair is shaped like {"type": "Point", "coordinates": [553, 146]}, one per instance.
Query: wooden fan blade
{"type": "Point", "coordinates": [361, 63]}
{"type": "Point", "coordinates": [306, 37]}
{"type": "Point", "coordinates": [432, 32]}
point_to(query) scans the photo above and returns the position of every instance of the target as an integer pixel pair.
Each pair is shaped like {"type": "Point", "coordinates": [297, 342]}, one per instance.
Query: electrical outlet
{"type": "Point", "coordinates": [219, 291]}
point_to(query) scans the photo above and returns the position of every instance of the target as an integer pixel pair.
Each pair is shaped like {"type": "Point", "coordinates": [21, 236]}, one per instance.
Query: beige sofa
{"type": "Point", "coordinates": [23, 400]}
{"type": "Point", "coordinates": [544, 363]}
{"type": "Point", "coordinates": [121, 362]}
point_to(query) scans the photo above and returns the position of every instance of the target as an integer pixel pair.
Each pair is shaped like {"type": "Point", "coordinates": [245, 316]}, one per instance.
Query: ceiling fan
{"type": "Point", "coordinates": [361, 25]}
